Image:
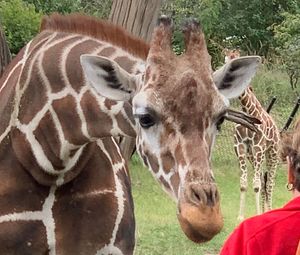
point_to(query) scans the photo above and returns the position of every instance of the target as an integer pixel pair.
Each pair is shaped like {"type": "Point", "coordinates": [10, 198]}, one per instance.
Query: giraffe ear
{"type": "Point", "coordinates": [108, 78]}
{"type": "Point", "coordinates": [234, 77]}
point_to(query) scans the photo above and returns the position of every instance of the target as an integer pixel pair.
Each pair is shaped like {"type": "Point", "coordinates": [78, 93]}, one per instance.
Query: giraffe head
{"type": "Point", "coordinates": [178, 104]}
{"type": "Point", "coordinates": [231, 54]}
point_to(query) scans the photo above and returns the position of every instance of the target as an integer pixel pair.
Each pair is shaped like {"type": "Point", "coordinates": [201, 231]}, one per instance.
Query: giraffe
{"type": "Point", "coordinates": [256, 146]}
{"type": "Point", "coordinates": [65, 188]}
{"type": "Point", "coordinates": [231, 54]}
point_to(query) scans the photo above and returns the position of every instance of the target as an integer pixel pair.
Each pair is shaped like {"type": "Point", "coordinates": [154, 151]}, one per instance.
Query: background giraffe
{"type": "Point", "coordinates": [65, 188]}
{"type": "Point", "coordinates": [257, 147]}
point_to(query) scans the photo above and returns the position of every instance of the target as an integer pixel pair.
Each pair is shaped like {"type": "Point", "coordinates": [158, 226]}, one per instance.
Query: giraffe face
{"type": "Point", "coordinates": [178, 106]}
{"type": "Point", "coordinates": [177, 114]}
{"type": "Point", "coordinates": [176, 125]}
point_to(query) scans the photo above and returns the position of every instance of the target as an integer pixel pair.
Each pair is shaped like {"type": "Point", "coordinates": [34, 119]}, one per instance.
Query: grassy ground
{"type": "Point", "coordinates": [158, 231]}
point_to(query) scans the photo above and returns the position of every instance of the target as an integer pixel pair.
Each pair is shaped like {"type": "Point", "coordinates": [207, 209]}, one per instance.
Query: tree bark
{"type": "Point", "coordinates": [138, 17]}
{"type": "Point", "coordinates": [5, 56]}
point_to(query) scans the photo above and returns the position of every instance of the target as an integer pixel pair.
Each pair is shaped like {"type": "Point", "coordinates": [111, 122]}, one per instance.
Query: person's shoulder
{"type": "Point", "coordinates": [272, 226]}
{"type": "Point", "coordinates": [270, 219]}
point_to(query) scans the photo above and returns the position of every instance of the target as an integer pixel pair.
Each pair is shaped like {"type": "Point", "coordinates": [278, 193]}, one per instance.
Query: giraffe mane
{"type": "Point", "coordinates": [96, 28]}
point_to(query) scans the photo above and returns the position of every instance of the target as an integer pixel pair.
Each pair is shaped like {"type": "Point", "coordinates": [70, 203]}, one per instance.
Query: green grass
{"type": "Point", "coordinates": [158, 231]}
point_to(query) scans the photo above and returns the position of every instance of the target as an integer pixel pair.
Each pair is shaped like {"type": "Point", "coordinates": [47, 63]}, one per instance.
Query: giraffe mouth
{"type": "Point", "coordinates": [192, 233]}
{"type": "Point", "coordinates": [200, 223]}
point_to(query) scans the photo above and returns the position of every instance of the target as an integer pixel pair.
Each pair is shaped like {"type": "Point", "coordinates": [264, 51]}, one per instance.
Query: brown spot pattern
{"type": "Point", "coordinates": [167, 161]}
{"type": "Point", "coordinates": [78, 202]}
{"type": "Point", "coordinates": [175, 182]}
{"type": "Point", "coordinates": [21, 238]}
{"type": "Point", "coordinates": [69, 119]}
{"type": "Point", "coordinates": [179, 155]}
{"type": "Point", "coordinates": [7, 99]}
{"type": "Point", "coordinates": [73, 66]}
{"type": "Point", "coordinates": [34, 98]}
{"type": "Point", "coordinates": [18, 190]}
{"type": "Point", "coordinates": [152, 161]}
{"type": "Point", "coordinates": [99, 123]}
{"type": "Point", "coordinates": [50, 143]}
{"type": "Point", "coordinates": [109, 103]}
{"type": "Point", "coordinates": [37, 40]}
{"type": "Point", "coordinates": [126, 63]}
{"type": "Point", "coordinates": [25, 155]}
{"type": "Point", "coordinates": [124, 125]}
{"type": "Point", "coordinates": [51, 65]}
{"type": "Point", "coordinates": [106, 52]}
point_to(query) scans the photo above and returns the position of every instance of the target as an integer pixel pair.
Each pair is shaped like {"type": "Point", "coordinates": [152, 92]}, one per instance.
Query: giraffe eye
{"type": "Point", "coordinates": [220, 122]}
{"type": "Point", "coordinates": [146, 120]}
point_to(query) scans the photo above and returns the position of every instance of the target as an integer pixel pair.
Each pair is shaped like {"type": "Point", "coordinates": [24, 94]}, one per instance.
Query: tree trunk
{"type": "Point", "coordinates": [5, 56]}
{"type": "Point", "coordinates": [138, 17]}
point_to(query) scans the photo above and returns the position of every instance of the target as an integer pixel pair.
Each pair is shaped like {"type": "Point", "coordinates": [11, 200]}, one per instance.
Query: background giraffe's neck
{"type": "Point", "coordinates": [54, 113]}
{"type": "Point", "coordinates": [250, 103]}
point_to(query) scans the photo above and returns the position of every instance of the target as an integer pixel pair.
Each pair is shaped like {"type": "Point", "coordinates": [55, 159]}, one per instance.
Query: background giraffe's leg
{"type": "Point", "coordinates": [263, 177]}
{"type": "Point", "coordinates": [271, 162]}
{"type": "Point", "coordinates": [240, 150]}
{"type": "Point", "coordinates": [258, 158]}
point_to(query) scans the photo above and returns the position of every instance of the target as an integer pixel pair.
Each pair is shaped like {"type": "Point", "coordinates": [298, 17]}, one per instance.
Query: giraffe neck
{"type": "Point", "coordinates": [250, 103]}
{"type": "Point", "coordinates": [53, 117]}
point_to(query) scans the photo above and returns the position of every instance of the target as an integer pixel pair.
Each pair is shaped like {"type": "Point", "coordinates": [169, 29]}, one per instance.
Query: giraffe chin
{"type": "Point", "coordinates": [200, 223]}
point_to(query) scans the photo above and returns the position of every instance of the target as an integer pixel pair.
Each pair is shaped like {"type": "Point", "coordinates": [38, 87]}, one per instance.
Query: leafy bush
{"type": "Point", "coordinates": [97, 8]}
{"type": "Point", "coordinates": [287, 35]}
{"type": "Point", "coordinates": [20, 22]}
{"type": "Point", "coordinates": [91, 7]}
{"type": "Point", "coordinates": [60, 6]}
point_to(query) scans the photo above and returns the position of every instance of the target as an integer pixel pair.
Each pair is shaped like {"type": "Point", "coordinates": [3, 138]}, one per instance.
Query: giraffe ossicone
{"type": "Point", "coordinates": [64, 184]}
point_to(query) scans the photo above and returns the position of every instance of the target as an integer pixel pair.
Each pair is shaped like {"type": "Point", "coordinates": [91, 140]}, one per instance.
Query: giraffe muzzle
{"type": "Point", "coordinates": [199, 212]}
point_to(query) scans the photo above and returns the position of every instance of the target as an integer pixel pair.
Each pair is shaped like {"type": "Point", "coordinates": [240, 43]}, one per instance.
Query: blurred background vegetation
{"type": "Point", "coordinates": [258, 27]}
{"type": "Point", "coordinates": [270, 29]}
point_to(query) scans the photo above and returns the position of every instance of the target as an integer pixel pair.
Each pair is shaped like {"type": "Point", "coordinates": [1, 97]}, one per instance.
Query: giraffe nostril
{"type": "Point", "coordinates": [207, 195]}
{"type": "Point", "coordinates": [195, 195]}
{"type": "Point", "coordinates": [211, 197]}
{"type": "Point", "coordinates": [216, 195]}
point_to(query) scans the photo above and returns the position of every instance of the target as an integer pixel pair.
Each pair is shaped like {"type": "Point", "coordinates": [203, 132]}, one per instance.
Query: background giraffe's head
{"type": "Point", "coordinates": [231, 54]}
{"type": "Point", "coordinates": [178, 104]}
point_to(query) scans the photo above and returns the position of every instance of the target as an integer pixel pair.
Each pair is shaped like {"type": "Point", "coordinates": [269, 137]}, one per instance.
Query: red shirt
{"type": "Point", "coordinates": [276, 232]}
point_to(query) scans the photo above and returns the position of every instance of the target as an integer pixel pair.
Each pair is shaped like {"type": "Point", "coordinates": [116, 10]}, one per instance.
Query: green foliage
{"type": "Point", "coordinates": [291, 59]}
{"type": "Point", "coordinates": [287, 35]}
{"type": "Point", "coordinates": [288, 28]}
{"type": "Point", "coordinates": [91, 7]}
{"type": "Point", "coordinates": [61, 6]}
{"type": "Point", "coordinates": [231, 23]}
{"type": "Point", "coordinates": [21, 19]}
{"type": "Point", "coordinates": [20, 22]}
{"type": "Point", "coordinates": [252, 22]}
{"type": "Point", "coordinates": [97, 8]}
